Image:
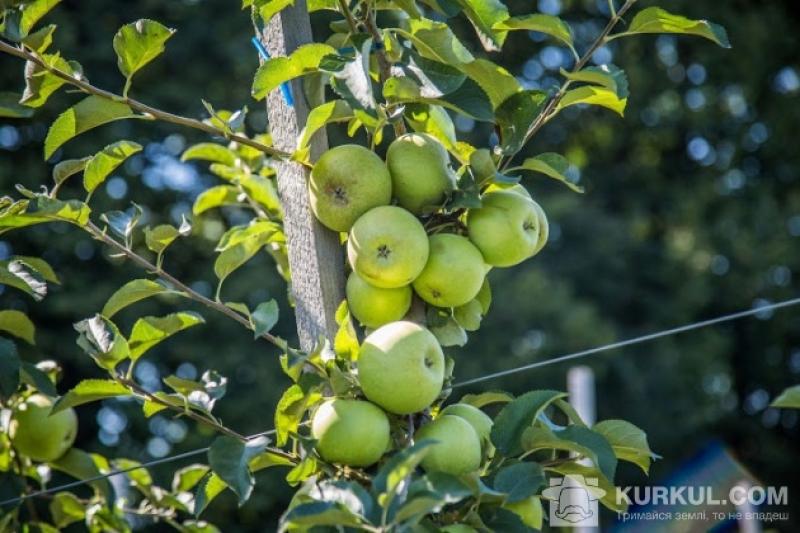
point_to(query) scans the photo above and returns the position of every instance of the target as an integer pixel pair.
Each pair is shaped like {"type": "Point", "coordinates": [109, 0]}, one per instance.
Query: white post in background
{"type": "Point", "coordinates": [747, 524]}
{"type": "Point", "coordinates": [580, 387]}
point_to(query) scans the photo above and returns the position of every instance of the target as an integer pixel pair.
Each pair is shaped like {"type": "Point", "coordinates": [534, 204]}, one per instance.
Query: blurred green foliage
{"type": "Point", "coordinates": [692, 209]}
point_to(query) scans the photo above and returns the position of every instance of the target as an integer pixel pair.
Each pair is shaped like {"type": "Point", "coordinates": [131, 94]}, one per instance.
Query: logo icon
{"type": "Point", "coordinates": [573, 501]}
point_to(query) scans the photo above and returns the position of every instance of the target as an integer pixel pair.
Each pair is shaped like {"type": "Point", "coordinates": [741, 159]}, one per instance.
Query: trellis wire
{"type": "Point", "coordinates": [759, 309]}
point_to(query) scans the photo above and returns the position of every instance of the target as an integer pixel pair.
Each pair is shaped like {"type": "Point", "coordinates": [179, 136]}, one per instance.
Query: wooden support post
{"type": "Point", "coordinates": [315, 254]}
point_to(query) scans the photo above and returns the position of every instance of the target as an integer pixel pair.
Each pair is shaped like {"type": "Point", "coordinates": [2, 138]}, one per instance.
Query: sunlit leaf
{"type": "Point", "coordinates": [485, 15]}
{"type": "Point", "coordinates": [101, 339]}
{"type": "Point", "coordinates": [628, 442]}
{"type": "Point", "coordinates": [593, 95]}
{"type": "Point", "coordinates": [90, 390]}
{"type": "Point", "coordinates": [89, 113]}
{"type": "Point", "coordinates": [132, 292]}
{"type": "Point", "coordinates": [788, 399]}
{"type": "Point", "coordinates": [150, 330]}
{"type": "Point", "coordinates": [32, 12]}
{"type": "Point", "coordinates": [515, 115]}
{"type": "Point", "coordinates": [658, 20]}
{"type": "Point", "coordinates": [547, 24]}
{"type": "Point", "coordinates": [552, 165]}
{"type": "Point", "coordinates": [277, 70]}
{"type": "Point", "coordinates": [137, 44]}
{"type": "Point", "coordinates": [66, 508]}
{"type": "Point", "coordinates": [106, 161]}
{"type": "Point", "coordinates": [217, 196]}
{"type": "Point", "coordinates": [215, 153]}
{"type": "Point", "coordinates": [69, 167]}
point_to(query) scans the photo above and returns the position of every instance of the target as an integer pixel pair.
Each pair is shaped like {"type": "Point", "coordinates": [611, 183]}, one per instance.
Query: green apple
{"type": "Point", "coordinates": [544, 227]}
{"type": "Point", "coordinates": [421, 173]}
{"type": "Point", "coordinates": [346, 182]}
{"type": "Point", "coordinates": [401, 367]}
{"type": "Point", "coordinates": [39, 435]}
{"type": "Point", "coordinates": [505, 228]}
{"type": "Point", "coordinates": [454, 272]}
{"type": "Point", "coordinates": [459, 528]}
{"type": "Point", "coordinates": [387, 247]}
{"type": "Point", "coordinates": [350, 432]}
{"type": "Point", "coordinates": [480, 421]}
{"type": "Point", "coordinates": [373, 306]}
{"type": "Point", "coordinates": [458, 450]}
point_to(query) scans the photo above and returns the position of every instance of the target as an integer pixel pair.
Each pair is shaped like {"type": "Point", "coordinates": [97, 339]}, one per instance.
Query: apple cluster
{"type": "Point", "coordinates": [403, 240]}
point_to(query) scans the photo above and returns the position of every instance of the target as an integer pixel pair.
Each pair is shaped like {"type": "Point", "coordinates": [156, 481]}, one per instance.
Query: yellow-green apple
{"type": "Point", "coordinates": [421, 173]}
{"type": "Point", "coordinates": [505, 228]}
{"type": "Point", "coordinates": [480, 421]}
{"type": "Point", "coordinates": [454, 272]}
{"type": "Point", "coordinates": [350, 432]}
{"type": "Point", "coordinates": [458, 450]}
{"type": "Point", "coordinates": [387, 247]}
{"type": "Point", "coordinates": [39, 435]}
{"type": "Point", "coordinates": [401, 367]}
{"type": "Point", "coordinates": [373, 306]}
{"type": "Point", "coordinates": [346, 182]}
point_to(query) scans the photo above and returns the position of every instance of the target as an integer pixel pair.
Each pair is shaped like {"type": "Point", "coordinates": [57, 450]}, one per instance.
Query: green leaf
{"type": "Point", "coordinates": [89, 113]}
{"type": "Point", "coordinates": [106, 161]}
{"type": "Point", "coordinates": [215, 197]}
{"type": "Point", "coordinates": [273, 72]}
{"type": "Point", "coordinates": [605, 459]}
{"type": "Point", "coordinates": [11, 108]}
{"type": "Point", "coordinates": [435, 40]}
{"type": "Point", "coordinates": [265, 317]}
{"type": "Point", "coordinates": [788, 399]}
{"type": "Point", "coordinates": [32, 12]}
{"type": "Point", "coordinates": [593, 95]}
{"type": "Point", "coordinates": [18, 324]}
{"type": "Point", "coordinates": [658, 20]}
{"type": "Point", "coordinates": [159, 238]}
{"type": "Point", "coordinates": [132, 292]}
{"type": "Point", "coordinates": [387, 482]}
{"type": "Point", "coordinates": [434, 120]}
{"type": "Point", "coordinates": [268, 459]}
{"type": "Point", "coordinates": [552, 165]}
{"type": "Point", "coordinates": [290, 411]}
{"type": "Point", "coordinates": [40, 40]}
{"type": "Point", "coordinates": [80, 465]}
{"type": "Point", "coordinates": [608, 499]}
{"type": "Point", "coordinates": [515, 115]}
{"type": "Point", "coordinates": [229, 458]}
{"type": "Point", "coordinates": [520, 481]}
{"type": "Point", "coordinates": [486, 398]}
{"type": "Point", "coordinates": [322, 513]}
{"type": "Point", "coordinates": [188, 477]}
{"type": "Point", "coordinates": [517, 416]}
{"type": "Point", "coordinates": [269, 8]}
{"type": "Point", "coordinates": [100, 338]}
{"type": "Point", "coordinates": [547, 24]}
{"type": "Point", "coordinates": [68, 167]}
{"type": "Point", "coordinates": [450, 333]}
{"type": "Point", "coordinates": [40, 84]}
{"type": "Point", "coordinates": [320, 116]}
{"type": "Point", "coordinates": [151, 330]}
{"type": "Point", "coordinates": [43, 209]}
{"type": "Point", "coordinates": [485, 15]}
{"type": "Point", "coordinates": [9, 368]}
{"type": "Point", "coordinates": [210, 152]}
{"type": "Point", "coordinates": [628, 442]}
{"type": "Point", "coordinates": [66, 508]}
{"type": "Point", "coordinates": [37, 379]}
{"type": "Point", "coordinates": [123, 222]}
{"type": "Point", "coordinates": [90, 390]}
{"type": "Point", "coordinates": [234, 255]}
{"type": "Point", "coordinates": [608, 76]}
{"type": "Point", "coordinates": [497, 82]}
{"type": "Point", "coordinates": [137, 44]}
{"type": "Point", "coordinates": [209, 487]}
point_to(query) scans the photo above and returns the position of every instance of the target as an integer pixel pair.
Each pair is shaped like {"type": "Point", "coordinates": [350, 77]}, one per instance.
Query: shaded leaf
{"type": "Point", "coordinates": [18, 324]}
{"type": "Point", "coordinates": [515, 115]}
{"type": "Point", "coordinates": [80, 465]}
{"type": "Point", "coordinates": [22, 276]}
{"type": "Point", "coordinates": [519, 481]}
{"type": "Point", "coordinates": [628, 442]}
{"type": "Point", "coordinates": [552, 165]}
{"type": "Point", "coordinates": [37, 379]}
{"type": "Point", "coordinates": [9, 368]}
{"type": "Point", "coordinates": [68, 167]}
{"type": "Point", "coordinates": [100, 338]}
{"type": "Point", "coordinates": [11, 108]}
{"type": "Point", "coordinates": [265, 317]}
{"type": "Point", "coordinates": [517, 416]}
{"type": "Point", "coordinates": [229, 458]}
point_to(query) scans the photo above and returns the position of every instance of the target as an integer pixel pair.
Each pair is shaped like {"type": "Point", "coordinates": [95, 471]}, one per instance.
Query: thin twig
{"type": "Point", "coordinates": [551, 106]}
{"type": "Point", "coordinates": [101, 235]}
{"type": "Point", "coordinates": [136, 105]}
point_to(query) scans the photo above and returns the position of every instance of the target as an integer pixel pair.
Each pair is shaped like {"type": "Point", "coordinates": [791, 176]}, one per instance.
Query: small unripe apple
{"type": "Point", "coordinates": [506, 228]}
{"type": "Point", "coordinates": [458, 450]}
{"type": "Point", "coordinates": [420, 170]}
{"type": "Point", "coordinates": [401, 367]}
{"type": "Point", "coordinates": [373, 306]}
{"type": "Point", "coordinates": [388, 247]}
{"type": "Point", "coordinates": [346, 182]}
{"type": "Point", "coordinates": [39, 435]}
{"type": "Point", "coordinates": [454, 272]}
{"type": "Point", "coordinates": [480, 421]}
{"type": "Point", "coordinates": [350, 432]}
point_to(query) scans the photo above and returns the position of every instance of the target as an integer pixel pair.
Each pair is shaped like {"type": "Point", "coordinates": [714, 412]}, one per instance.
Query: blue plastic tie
{"type": "Point", "coordinates": [286, 91]}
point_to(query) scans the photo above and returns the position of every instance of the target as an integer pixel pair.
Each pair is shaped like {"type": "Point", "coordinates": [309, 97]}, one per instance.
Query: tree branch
{"type": "Point", "coordinates": [549, 109]}
{"type": "Point", "coordinates": [140, 261]}
{"type": "Point", "coordinates": [157, 114]}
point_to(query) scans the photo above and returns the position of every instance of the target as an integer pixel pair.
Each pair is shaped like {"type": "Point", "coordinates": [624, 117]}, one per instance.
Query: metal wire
{"type": "Point", "coordinates": [760, 309]}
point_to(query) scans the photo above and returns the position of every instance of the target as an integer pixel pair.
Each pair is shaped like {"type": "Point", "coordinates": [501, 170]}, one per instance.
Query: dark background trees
{"type": "Point", "coordinates": [692, 209]}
